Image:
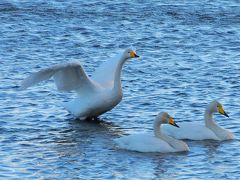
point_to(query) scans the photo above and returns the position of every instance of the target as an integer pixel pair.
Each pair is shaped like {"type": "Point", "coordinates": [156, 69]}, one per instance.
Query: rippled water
{"type": "Point", "coordinates": [190, 55]}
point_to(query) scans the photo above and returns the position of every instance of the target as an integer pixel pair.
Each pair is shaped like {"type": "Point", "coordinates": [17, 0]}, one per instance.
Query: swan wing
{"type": "Point", "coordinates": [105, 73]}
{"type": "Point", "coordinates": [189, 130]}
{"type": "Point", "coordinates": [143, 143]}
{"type": "Point", "coordinates": [67, 76]}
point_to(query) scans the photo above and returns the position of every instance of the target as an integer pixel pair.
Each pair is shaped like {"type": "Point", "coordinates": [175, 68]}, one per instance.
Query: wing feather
{"type": "Point", "coordinates": [67, 76]}
{"type": "Point", "coordinates": [106, 72]}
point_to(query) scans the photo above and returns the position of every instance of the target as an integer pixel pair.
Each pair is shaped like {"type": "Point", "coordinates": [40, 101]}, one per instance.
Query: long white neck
{"type": "Point", "coordinates": [117, 77]}
{"type": "Point", "coordinates": [220, 132]}
{"type": "Point", "coordinates": [208, 118]}
{"type": "Point", "coordinates": [158, 133]}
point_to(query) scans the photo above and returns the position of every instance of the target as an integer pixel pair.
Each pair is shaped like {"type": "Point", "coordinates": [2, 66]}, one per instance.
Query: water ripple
{"type": "Point", "coordinates": [189, 56]}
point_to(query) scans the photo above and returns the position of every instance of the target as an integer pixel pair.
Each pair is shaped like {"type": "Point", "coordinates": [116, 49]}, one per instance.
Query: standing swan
{"type": "Point", "coordinates": [195, 131]}
{"type": "Point", "coordinates": [159, 142]}
{"type": "Point", "coordinates": [95, 95]}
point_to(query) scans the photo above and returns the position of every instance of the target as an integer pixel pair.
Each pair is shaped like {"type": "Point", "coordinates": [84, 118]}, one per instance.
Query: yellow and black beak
{"type": "Point", "coordinates": [133, 54]}
{"type": "Point", "coordinates": [221, 111]}
{"type": "Point", "coordinates": [172, 122]}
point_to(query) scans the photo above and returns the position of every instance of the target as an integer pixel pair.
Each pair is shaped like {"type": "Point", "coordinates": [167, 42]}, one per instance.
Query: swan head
{"type": "Point", "coordinates": [130, 53]}
{"type": "Point", "coordinates": [165, 118]}
{"type": "Point", "coordinates": [215, 106]}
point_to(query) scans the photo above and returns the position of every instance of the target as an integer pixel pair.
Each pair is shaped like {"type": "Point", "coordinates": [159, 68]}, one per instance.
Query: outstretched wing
{"type": "Point", "coordinates": [67, 76]}
{"type": "Point", "coordinates": [106, 72]}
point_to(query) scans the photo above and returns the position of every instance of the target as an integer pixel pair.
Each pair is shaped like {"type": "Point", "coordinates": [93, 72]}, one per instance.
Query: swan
{"type": "Point", "coordinates": [159, 142]}
{"type": "Point", "coordinates": [196, 131]}
{"type": "Point", "coordinates": [95, 95]}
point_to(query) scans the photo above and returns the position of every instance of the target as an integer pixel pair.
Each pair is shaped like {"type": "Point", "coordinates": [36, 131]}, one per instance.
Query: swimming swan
{"type": "Point", "coordinates": [159, 142]}
{"type": "Point", "coordinates": [97, 94]}
{"type": "Point", "coordinates": [195, 131]}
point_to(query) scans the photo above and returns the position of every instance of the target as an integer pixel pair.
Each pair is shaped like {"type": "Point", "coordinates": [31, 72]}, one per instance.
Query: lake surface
{"type": "Point", "coordinates": [190, 55]}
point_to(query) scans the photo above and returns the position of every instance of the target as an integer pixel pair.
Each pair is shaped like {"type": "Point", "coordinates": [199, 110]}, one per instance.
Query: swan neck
{"type": "Point", "coordinates": [157, 129]}
{"type": "Point", "coordinates": [117, 79]}
{"type": "Point", "coordinates": [208, 118]}
{"type": "Point", "coordinates": [159, 134]}
{"type": "Point", "coordinates": [211, 124]}
{"type": "Point", "coordinates": [174, 143]}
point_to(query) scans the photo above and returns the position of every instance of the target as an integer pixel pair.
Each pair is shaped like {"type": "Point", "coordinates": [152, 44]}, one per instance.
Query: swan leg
{"type": "Point", "coordinates": [94, 118]}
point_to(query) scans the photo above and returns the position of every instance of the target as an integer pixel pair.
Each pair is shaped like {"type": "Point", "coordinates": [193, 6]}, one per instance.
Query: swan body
{"type": "Point", "coordinates": [157, 142]}
{"type": "Point", "coordinates": [197, 131]}
{"type": "Point", "coordinates": [95, 95]}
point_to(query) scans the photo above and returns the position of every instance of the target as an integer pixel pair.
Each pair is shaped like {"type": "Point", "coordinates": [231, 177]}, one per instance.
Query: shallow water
{"type": "Point", "coordinates": [189, 56]}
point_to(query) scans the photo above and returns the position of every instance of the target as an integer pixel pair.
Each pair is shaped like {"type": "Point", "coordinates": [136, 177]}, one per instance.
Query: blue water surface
{"type": "Point", "coordinates": [190, 55]}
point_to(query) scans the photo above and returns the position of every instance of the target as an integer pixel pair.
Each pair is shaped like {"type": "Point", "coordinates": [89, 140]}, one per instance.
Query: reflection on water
{"type": "Point", "coordinates": [80, 135]}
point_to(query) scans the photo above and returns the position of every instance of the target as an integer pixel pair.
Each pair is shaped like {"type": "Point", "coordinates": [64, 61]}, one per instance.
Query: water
{"type": "Point", "coordinates": [189, 56]}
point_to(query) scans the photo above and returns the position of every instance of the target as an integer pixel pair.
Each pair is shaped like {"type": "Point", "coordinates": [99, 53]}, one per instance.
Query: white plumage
{"type": "Point", "coordinates": [198, 131]}
{"type": "Point", "coordinates": [157, 142]}
{"type": "Point", "coordinates": [95, 95]}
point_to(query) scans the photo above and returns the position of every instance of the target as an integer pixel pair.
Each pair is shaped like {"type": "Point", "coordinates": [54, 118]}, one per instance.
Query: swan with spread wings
{"type": "Point", "coordinates": [96, 94]}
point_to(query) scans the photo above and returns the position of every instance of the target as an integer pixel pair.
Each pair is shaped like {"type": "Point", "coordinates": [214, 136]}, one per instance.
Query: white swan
{"type": "Point", "coordinates": [196, 131]}
{"type": "Point", "coordinates": [97, 94]}
{"type": "Point", "coordinates": [157, 142]}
